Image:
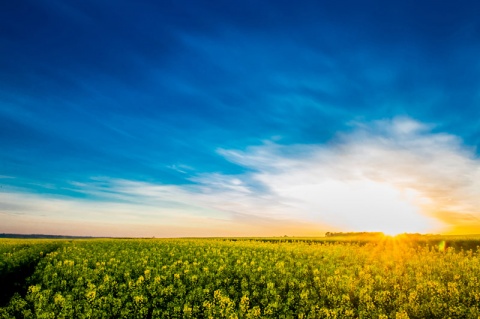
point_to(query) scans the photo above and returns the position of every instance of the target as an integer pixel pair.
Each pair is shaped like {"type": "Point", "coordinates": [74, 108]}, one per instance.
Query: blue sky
{"type": "Point", "coordinates": [196, 118]}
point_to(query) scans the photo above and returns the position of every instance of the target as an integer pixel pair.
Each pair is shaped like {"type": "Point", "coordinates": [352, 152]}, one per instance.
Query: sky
{"type": "Point", "coordinates": [247, 118]}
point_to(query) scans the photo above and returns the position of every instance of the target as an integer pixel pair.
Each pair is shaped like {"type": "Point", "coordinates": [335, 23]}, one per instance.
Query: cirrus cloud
{"type": "Point", "coordinates": [389, 175]}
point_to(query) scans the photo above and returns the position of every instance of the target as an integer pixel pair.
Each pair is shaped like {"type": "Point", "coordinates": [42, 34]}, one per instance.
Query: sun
{"type": "Point", "coordinates": [393, 233]}
{"type": "Point", "coordinates": [366, 205]}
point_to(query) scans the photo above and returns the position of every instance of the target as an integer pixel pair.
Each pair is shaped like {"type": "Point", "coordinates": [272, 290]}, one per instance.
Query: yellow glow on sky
{"type": "Point", "coordinates": [365, 205]}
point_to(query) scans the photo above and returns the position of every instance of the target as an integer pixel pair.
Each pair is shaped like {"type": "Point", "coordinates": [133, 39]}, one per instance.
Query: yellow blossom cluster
{"type": "Point", "coordinates": [224, 278]}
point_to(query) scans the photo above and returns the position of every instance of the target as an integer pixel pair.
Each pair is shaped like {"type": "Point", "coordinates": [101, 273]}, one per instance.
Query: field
{"type": "Point", "coordinates": [377, 277]}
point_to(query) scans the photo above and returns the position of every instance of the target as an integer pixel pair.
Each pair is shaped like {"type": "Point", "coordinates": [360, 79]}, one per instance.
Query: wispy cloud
{"type": "Point", "coordinates": [387, 175]}
{"type": "Point", "coordinates": [381, 174]}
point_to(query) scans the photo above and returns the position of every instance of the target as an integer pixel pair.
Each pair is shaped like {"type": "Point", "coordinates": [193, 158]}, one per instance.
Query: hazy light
{"type": "Point", "coordinates": [389, 176]}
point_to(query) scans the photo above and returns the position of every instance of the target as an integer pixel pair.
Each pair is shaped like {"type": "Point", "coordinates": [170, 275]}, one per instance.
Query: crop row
{"type": "Point", "coordinates": [199, 278]}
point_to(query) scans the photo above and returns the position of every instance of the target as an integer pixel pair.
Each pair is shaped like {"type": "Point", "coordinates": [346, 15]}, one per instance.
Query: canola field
{"type": "Point", "coordinates": [240, 278]}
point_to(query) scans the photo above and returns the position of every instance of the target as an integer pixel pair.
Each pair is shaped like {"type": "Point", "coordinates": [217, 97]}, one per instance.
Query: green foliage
{"type": "Point", "coordinates": [17, 261]}
{"type": "Point", "coordinates": [217, 278]}
{"type": "Point", "coordinates": [357, 234]}
{"type": "Point", "coordinates": [14, 253]}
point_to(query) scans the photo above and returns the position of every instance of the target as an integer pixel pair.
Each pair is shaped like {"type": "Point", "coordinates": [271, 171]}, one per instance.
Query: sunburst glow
{"type": "Point", "coordinates": [363, 205]}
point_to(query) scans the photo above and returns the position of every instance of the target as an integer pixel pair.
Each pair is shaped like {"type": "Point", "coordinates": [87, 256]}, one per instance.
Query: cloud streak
{"type": "Point", "coordinates": [389, 175]}
{"type": "Point", "coordinates": [375, 168]}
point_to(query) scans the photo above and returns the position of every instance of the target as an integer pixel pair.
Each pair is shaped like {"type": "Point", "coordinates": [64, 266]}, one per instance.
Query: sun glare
{"type": "Point", "coordinates": [393, 233]}
{"type": "Point", "coordinates": [364, 205]}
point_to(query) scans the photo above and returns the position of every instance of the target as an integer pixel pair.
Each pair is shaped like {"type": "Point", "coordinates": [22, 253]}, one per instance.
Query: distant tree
{"type": "Point", "coordinates": [338, 234]}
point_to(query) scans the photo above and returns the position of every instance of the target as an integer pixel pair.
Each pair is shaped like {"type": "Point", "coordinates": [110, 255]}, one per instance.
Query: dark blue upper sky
{"type": "Point", "coordinates": [151, 90]}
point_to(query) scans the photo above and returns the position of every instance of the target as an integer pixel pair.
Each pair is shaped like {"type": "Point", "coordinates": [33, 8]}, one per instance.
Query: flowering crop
{"type": "Point", "coordinates": [17, 261]}
{"type": "Point", "coordinates": [221, 278]}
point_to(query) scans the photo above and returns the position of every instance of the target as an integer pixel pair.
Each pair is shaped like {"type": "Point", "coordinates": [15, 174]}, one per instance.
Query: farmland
{"type": "Point", "coordinates": [378, 277]}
